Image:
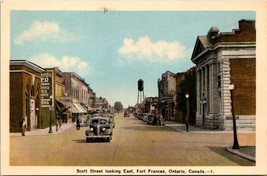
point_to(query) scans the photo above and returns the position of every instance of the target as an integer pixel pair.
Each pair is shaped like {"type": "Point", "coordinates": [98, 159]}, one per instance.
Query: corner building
{"type": "Point", "coordinates": [25, 78]}
{"type": "Point", "coordinates": [223, 59]}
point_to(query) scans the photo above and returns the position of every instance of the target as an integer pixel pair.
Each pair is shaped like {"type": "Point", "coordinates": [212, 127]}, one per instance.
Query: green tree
{"type": "Point", "coordinates": [118, 106]}
{"type": "Point", "coordinates": [188, 85]}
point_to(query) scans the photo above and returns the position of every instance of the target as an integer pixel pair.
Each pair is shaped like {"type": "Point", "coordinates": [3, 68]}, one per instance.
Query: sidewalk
{"type": "Point", "coordinates": [45, 131]}
{"type": "Point", "coordinates": [193, 129]}
{"type": "Point", "coordinates": [248, 152]}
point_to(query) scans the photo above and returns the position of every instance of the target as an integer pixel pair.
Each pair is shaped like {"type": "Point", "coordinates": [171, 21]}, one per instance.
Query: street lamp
{"type": "Point", "coordinates": [187, 111]}
{"type": "Point", "coordinates": [235, 145]}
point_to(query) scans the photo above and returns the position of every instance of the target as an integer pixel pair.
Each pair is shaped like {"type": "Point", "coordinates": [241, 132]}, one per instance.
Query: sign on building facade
{"type": "Point", "coordinates": [46, 89]}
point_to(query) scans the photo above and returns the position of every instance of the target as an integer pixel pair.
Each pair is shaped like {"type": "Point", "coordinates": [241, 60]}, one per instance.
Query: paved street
{"type": "Point", "coordinates": [134, 144]}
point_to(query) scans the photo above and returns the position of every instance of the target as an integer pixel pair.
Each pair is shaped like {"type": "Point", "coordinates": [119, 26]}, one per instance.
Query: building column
{"type": "Point", "coordinates": [214, 101]}
{"type": "Point", "coordinates": [226, 109]}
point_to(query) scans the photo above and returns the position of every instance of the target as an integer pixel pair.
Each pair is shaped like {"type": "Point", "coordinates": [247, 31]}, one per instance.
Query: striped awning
{"type": "Point", "coordinates": [77, 108]}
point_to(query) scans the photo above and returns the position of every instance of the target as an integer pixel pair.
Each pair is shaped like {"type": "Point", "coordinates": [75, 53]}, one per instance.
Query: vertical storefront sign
{"type": "Point", "coordinates": [46, 88]}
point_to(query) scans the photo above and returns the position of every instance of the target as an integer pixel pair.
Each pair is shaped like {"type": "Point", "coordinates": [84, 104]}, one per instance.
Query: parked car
{"type": "Point", "coordinates": [145, 117]}
{"type": "Point", "coordinates": [151, 119]}
{"type": "Point", "coordinates": [84, 119]}
{"type": "Point", "coordinates": [111, 117]}
{"type": "Point", "coordinates": [99, 128]}
{"type": "Point", "coordinates": [126, 114]}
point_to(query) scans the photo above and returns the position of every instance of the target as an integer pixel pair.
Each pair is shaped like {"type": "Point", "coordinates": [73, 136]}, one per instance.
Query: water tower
{"type": "Point", "coordinates": [140, 96]}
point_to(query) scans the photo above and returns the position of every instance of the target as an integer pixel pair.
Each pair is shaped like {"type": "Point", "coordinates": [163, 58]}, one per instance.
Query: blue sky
{"type": "Point", "coordinates": [113, 50]}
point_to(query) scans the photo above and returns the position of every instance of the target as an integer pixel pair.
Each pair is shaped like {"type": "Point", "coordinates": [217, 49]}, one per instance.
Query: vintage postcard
{"type": "Point", "coordinates": [133, 87]}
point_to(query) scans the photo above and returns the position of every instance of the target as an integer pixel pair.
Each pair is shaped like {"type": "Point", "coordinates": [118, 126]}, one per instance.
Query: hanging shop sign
{"type": "Point", "coordinates": [46, 89]}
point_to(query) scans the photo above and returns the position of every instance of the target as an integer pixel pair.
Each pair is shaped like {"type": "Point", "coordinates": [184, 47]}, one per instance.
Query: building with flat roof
{"type": "Point", "coordinates": [25, 78]}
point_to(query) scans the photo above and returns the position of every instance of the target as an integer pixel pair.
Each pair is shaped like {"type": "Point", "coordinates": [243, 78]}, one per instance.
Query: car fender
{"type": "Point", "coordinates": [108, 131]}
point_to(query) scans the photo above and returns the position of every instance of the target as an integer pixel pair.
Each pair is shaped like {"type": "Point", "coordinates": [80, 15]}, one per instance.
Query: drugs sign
{"type": "Point", "coordinates": [46, 89]}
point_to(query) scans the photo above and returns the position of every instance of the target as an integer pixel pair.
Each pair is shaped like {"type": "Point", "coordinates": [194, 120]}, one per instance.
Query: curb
{"type": "Point", "coordinates": [194, 130]}
{"type": "Point", "coordinates": [243, 155]}
{"type": "Point", "coordinates": [45, 131]}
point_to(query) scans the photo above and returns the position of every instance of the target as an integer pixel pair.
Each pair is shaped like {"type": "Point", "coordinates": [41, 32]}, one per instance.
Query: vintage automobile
{"type": "Point", "coordinates": [84, 120]}
{"type": "Point", "coordinates": [99, 128]}
{"type": "Point", "coordinates": [151, 119]}
{"type": "Point", "coordinates": [111, 117]}
{"type": "Point", "coordinates": [126, 114]}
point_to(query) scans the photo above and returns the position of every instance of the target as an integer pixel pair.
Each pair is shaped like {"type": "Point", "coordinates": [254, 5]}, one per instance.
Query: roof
{"type": "Point", "coordinates": [28, 64]}
{"type": "Point", "coordinates": [244, 35]}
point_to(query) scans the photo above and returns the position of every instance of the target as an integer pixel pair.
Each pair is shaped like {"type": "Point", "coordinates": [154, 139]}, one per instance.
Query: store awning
{"type": "Point", "coordinates": [77, 108]}
{"type": "Point", "coordinates": [73, 109]}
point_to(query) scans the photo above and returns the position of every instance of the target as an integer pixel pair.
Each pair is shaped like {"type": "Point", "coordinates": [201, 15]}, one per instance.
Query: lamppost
{"type": "Point", "coordinates": [50, 109]}
{"type": "Point", "coordinates": [187, 111]}
{"type": "Point", "coordinates": [37, 118]}
{"type": "Point", "coordinates": [235, 145]}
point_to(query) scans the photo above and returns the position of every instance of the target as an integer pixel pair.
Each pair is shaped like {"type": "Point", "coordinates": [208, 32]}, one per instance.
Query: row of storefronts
{"type": "Point", "coordinates": [39, 94]}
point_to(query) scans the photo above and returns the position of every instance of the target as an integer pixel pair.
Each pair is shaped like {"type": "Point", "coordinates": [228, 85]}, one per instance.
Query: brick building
{"type": "Point", "coordinates": [74, 94]}
{"type": "Point", "coordinates": [24, 95]}
{"type": "Point", "coordinates": [223, 59]}
{"type": "Point", "coordinates": [167, 94]}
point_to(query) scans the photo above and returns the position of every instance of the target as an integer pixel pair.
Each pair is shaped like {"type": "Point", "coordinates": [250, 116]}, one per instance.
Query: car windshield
{"type": "Point", "coordinates": [99, 121]}
{"type": "Point", "coordinates": [94, 122]}
{"type": "Point", "coordinates": [103, 122]}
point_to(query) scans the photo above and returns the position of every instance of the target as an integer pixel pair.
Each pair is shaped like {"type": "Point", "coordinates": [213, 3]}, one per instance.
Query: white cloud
{"type": "Point", "coordinates": [159, 51]}
{"type": "Point", "coordinates": [44, 31]}
{"type": "Point", "coordinates": [65, 64]}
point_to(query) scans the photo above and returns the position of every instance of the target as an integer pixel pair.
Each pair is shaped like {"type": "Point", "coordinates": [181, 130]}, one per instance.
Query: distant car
{"type": "Point", "coordinates": [145, 117]}
{"type": "Point", "coordinates": [84, 119]}
{"type": "Point", "coordinates": [99, 128]}
{"type": "Point", "coordinates": [111, 117]}
{"type": "Point", "coordinates": [151, 119]}
{"type": "Point", "coordinates": [126, 114]}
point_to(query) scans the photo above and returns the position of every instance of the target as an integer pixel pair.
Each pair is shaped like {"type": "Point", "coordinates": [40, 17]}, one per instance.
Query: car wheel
{"type": "Point", "coordinates": [87, 140]}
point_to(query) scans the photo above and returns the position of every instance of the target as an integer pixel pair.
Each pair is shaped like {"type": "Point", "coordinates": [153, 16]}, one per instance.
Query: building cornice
{"type": "Point", "coordinates": [224, 45]}
{"type": "Point", "coordinates": [28, 64]}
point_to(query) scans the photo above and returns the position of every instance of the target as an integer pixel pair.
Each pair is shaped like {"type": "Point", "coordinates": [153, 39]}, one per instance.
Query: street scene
{"type": "Point", "coordinates": [93, 91]}
{"type": "Point", "coordinates": [134, 143]}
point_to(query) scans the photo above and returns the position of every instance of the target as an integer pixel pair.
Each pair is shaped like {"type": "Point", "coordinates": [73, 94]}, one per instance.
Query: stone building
{"type": "Point", "coordinates": [167, 94]}
{"type": "Point", "coordinates": [223, 59]}
{"type": "Point", "coordinates": [24, 95]}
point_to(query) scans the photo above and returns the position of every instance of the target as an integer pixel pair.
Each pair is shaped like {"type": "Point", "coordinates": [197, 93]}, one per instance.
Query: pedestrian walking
{"type": "Point", "coordinates": [160, 120]}
{"type": "Point", "coordinates": [23, 126]}
{"type": "Point", "coordinates": [58, 122]}
{"type": "Point", "coordinates": [78, 124]}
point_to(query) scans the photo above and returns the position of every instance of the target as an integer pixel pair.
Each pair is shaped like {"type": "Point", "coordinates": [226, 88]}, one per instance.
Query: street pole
{"type": "Point", "coordinates": [50, 109]}
{"type": "Point", "coordinates": [187, 112]}
{"type": "Point", "coordinates": [235, 145]}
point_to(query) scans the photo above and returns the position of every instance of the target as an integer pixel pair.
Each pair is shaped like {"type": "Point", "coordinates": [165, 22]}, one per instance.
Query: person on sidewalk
{"type": "Point", "coordinates": [58, 122]}
{"type": "Point", "coordinates": [78, 124]}
{"type": "Point", "coordinates": [23, 126]}
{"type": "Point", "coordinates": [160, 120]}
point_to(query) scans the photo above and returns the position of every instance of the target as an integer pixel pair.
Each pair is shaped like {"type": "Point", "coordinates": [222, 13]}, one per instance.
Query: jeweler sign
{"type": "Point", "coordinates": [46, 89]}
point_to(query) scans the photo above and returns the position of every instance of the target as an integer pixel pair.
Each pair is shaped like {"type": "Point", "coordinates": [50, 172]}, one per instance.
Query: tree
{"type": "Point", "coordinates": [118, 106]}
{"type": "Point", "coordinates": [188, 85]}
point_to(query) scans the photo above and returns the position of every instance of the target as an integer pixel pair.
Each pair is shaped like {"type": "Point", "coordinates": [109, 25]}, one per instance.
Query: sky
{"type": "Point", "coordinates": [112, 50]}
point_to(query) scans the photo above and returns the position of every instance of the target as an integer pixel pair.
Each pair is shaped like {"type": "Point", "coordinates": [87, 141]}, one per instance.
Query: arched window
{"type": "Point", "coordinates": [27, 104]}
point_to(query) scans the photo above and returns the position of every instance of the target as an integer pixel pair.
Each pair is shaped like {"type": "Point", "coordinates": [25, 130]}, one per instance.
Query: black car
{"type": "Point", "coordinates": [126, 114]}
{"type": "Point", "coordinates": [99, 128]}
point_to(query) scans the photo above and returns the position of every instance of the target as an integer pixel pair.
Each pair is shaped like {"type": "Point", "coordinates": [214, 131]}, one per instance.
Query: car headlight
{"type": "Point", "coordinates": [91, 129]}
{"type": "Point", "coordinates": [103, 129]}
